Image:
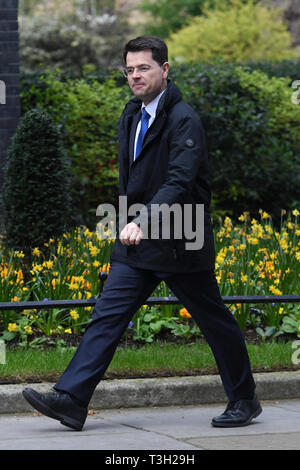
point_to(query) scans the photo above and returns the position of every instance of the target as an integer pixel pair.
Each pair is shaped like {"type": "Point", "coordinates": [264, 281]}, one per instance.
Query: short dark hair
{"type": "Point", "coordinates": [156, 45]}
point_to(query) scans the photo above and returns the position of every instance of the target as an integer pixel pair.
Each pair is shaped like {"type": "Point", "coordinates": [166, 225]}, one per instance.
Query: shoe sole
{"type": "Point", "coordinates": [45, 410]}
{"type": "Point", "coordinates": [237, 425]}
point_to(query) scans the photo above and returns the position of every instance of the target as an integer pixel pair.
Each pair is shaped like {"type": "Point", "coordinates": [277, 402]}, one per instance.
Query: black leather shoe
{"type": "Point", "coordinates": [58, 406]}
{"type": "Point", "coordinates": [238, 413]}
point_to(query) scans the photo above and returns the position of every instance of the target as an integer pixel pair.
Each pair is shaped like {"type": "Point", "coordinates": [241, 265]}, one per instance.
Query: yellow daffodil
{"type": "Point", "coordinates": [74, 314]}
{"type": "Point", "coordinates": [275, 290]}
{"type": "Point", "coordinates": [87, 233]}
{"type": "Point", "coordinates": [264, 214]}
{"type": "Point", "coordinates": [13, 327]}
{"type": "Point", "coordinates": [253, 241]}
{"type": "Point", "coordinates": [268, 229]}
{"type": "Point", "coordinates": [28, 329]}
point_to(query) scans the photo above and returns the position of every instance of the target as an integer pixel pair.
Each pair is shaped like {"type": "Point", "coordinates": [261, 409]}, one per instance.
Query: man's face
{"type": "Point", "coordinates": [146, 77]}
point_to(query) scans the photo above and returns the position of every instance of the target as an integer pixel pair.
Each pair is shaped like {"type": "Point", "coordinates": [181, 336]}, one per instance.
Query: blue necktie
{"type": "Point", "coordinates": [143, 130]}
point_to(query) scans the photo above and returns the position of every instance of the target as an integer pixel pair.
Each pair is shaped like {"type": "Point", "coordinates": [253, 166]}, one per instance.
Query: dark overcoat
{"type": "Point", "coordinates": [172, 168]}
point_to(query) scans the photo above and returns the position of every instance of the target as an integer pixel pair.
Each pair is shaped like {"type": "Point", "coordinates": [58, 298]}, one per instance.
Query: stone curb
{"type": "Point", "coordinates": [173, 391]}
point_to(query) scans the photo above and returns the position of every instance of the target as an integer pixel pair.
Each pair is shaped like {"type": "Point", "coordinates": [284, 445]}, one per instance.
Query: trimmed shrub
{"type": "Point", "coordinates": [238, 32]}
{"type": "Point", "coordinates": [35, 190]}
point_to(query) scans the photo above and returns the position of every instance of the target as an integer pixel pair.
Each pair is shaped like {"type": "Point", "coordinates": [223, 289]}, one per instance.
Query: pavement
{"type": "Point", "coordinates": [140, 416]}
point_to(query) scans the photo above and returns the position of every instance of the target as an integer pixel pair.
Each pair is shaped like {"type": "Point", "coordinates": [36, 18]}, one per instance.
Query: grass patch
{"type": "Point", "coordinates": [195, 358]}
{"type": "Point", "coordinates": [34, 365]}
{"type": "Point", "coordinates": [151, 360]}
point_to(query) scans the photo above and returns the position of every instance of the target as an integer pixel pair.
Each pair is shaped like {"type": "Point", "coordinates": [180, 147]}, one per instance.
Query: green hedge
{"type": "Point", "coordinates": [252, 130]}
{"type": "Point", "coordinates": [285, 68]}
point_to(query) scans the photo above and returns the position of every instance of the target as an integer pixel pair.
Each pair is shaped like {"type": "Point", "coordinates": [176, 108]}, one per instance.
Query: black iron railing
{"type": "Point", "coordinates": [171, 300]}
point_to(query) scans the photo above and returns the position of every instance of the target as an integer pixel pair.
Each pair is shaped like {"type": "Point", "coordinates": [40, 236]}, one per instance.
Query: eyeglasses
{"type": "Point", "coordinates": [141, 69]}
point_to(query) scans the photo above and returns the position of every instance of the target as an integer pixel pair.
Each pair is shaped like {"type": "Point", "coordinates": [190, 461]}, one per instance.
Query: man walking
{"type": "Point", "coordinates": [163, 160]}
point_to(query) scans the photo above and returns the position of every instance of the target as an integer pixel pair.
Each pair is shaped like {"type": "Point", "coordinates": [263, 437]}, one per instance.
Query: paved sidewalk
{"type": "Point", "coordinates": [159, 414]}
{"type": "Point", "coordinates": [173, 428]}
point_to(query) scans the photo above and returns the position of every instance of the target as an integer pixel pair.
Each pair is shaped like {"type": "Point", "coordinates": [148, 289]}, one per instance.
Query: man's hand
{"type": "Point", "coordinates": [131, 234]}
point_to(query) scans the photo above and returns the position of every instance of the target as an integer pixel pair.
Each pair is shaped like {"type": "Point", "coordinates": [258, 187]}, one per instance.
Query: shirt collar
{"type": "Point", "coordinates": [152, 106]}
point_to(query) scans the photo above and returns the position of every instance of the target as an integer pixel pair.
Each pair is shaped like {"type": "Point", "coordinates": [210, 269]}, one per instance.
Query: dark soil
{"type": "Point", "coordinates": [251, 336]}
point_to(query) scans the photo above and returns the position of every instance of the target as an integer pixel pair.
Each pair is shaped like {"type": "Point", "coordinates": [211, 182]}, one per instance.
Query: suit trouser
{"type": "Point", "coordinates": [125, 290]}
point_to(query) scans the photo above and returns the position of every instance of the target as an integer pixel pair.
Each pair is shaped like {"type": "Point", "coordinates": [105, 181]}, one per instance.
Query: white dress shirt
{"type": "Point", "coordinates": [151, 109]}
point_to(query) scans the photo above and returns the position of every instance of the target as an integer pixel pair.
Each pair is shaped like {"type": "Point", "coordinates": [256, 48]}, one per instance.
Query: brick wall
{"type": "Point", "coordinates": [9, 76]}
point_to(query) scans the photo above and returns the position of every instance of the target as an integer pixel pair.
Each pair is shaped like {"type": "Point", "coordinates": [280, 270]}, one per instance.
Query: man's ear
{"type": "Point", "coordinates": [165, 67]}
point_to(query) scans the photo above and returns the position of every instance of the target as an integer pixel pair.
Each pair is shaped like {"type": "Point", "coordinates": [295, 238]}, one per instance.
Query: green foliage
{"type": "Point", "coordinates": [35, 89]}
{"type": "Point", "coordinates": [36, 7]}
{"type": "Point", "coordinates": [289, 68]}
{"type": "Point", "coordinates": [238, 32]}
{"type": "Point", "coordinates": [291, 324]}
{"type": "Point", "coordinates": [71, 40]}
{"type": "Point", "coordinates": [35, 190]}
{"type": "Point", "coordinates": [150, 322]}
{"type": "Point", "coordinates": [268, 332]}
{"type": "Point", "coordinates": [273, 93]}
{"type": "Point", "coordinates": [251, 125]}
{"type": "Point", "coordinates": [88, 113]}
{"type": "Point", "coordinates": [167, 16]}
{"type": "Point", "coordinates": [252, 130]}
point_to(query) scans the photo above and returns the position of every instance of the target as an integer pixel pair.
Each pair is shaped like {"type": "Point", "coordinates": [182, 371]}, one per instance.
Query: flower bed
{"type": "Point", "coordinates": [253, 258]}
